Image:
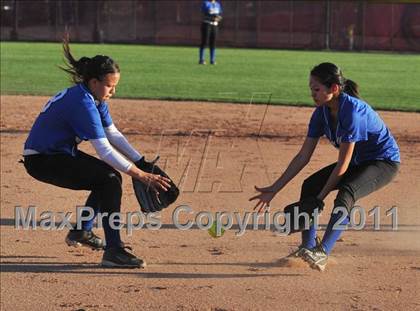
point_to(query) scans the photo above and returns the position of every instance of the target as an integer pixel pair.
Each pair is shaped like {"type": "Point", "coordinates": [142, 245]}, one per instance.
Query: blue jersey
{"type": "Point", "coordinates": [356, 122]}
{"type": "Point", "coordinates": [68, 118]}
{"type": "Point", "coordinates": [211, 8]}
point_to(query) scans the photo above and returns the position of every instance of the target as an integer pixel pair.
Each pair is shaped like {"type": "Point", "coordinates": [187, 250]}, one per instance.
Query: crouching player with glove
{"type": "Point", "coordinates": [368, 159]}
{"type": "Point", "coordinates": [51, 154]}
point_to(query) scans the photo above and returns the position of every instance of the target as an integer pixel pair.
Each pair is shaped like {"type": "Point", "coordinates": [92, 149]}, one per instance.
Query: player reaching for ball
{"type": "Point", "coordinates": [368, 159]}
{"type": "Point", "coordinates": [51, 154]}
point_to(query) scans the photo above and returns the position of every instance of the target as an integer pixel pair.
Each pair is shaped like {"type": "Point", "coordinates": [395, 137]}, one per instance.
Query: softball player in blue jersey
{"type": "Point", "coordinates": [50, 153]}
{"type": "Point", "coordinates": [212, 15]}
{"type": "Point", "coordinates": [368, 158]}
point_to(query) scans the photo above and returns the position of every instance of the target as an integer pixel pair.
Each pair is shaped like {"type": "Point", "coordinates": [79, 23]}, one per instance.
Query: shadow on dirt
{"type": "Point", "coordinates": [94, 268]}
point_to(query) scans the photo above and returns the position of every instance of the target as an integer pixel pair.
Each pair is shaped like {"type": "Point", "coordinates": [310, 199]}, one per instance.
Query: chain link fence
{"type": "Point", "coordinates": [338, 25]}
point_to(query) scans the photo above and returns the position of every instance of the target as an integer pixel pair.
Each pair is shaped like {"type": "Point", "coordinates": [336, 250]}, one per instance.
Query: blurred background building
{"type": "Point", "coordinates": [338, 25]}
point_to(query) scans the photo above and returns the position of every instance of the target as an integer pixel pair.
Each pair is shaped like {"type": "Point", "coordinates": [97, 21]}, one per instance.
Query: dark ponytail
{"type": "Point", "coordinates": [351, 88]}
{"type": "Point", "coordinates": [86, 68]}
{"type": "Point", "coordinates": [328, 74]}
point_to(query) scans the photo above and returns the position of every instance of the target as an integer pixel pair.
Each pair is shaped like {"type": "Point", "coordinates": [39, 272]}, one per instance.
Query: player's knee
{"type": "Point", "coordinates": [345, 198]}
{"type": "Point", "coordinates": [338, 209]}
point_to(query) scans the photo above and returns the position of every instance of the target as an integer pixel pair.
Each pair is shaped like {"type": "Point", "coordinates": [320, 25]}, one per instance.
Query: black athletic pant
{"type": "Point", "coordinates": [357, 182]}
{"type": "Point", "coordinates": [208, 34]}
{"type": "Point", "coordinates": [82, 172]}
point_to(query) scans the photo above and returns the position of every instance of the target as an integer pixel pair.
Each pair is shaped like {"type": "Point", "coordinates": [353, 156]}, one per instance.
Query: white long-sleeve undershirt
{"type": "Point", "coordinates": [109, 155]}
{"type": "Point", "coordinates": [119, 142]}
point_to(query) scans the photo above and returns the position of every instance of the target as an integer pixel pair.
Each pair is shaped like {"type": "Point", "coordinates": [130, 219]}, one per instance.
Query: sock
{"type": "Point", "coordinates": [332, 235]}
{"type": "Point", "coordinates": [212, 55]}
{"type": "Point", "coordinates": [112, 236]}
{"type": "Point", "coordinates": [201, 55]}
{"type": "Point", "coordinates": [87, 225]}
{"type": "Point", "coordinates": [308, 237]}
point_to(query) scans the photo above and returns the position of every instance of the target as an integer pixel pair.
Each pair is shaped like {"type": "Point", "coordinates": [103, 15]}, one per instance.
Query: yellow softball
{"type": "Point", "coordinates": [213, 231]}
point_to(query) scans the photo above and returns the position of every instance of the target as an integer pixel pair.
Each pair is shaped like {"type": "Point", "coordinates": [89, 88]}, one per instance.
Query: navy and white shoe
{"type": "Point", "coordinates": [316, 257]}
{"type": "Point", "coordinates": [85, 238]}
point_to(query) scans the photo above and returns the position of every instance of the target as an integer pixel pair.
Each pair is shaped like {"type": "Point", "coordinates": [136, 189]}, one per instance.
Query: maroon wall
{"type": "Point", "coordinates": [342, 25]}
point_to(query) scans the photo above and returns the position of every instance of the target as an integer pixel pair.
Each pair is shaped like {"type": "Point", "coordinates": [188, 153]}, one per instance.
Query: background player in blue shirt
{"type": "Point", "coordinates": [368, 158]}
{"type": "Point", "coordinates": [212, 15]}
{"type": "Point", "coordinates": [51, 155]}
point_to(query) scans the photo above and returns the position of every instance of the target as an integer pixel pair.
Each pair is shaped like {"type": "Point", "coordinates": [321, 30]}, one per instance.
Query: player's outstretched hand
{"type": "Point", "coordinates": [264, 197]}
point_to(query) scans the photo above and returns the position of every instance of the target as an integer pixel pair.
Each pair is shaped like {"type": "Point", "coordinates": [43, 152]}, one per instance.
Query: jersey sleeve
{"type": "Point", "coordinates": [104, 114]}
{"type": "Point", "coordinates": [85, 120]}
{"type": "Point", "coordinates": [316, 126]}
{"type": "Point", "coordinates": [353, 125]}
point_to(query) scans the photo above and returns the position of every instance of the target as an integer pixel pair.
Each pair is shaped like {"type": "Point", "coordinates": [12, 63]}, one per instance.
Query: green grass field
{"type": "Point", "coordinates": [387, 80]}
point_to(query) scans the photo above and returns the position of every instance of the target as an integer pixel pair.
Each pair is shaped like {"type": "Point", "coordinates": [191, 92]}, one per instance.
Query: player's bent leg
{"type": "Point", "coordinates": [364, 179]}
{"type": "Point", "coordinates": [116, 254]}
{"type": "Point", "coordinates": [310, 188]}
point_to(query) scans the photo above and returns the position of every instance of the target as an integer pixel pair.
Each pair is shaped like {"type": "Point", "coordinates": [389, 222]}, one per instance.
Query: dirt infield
{"type": "Point", "coordinates": [217, 152]}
